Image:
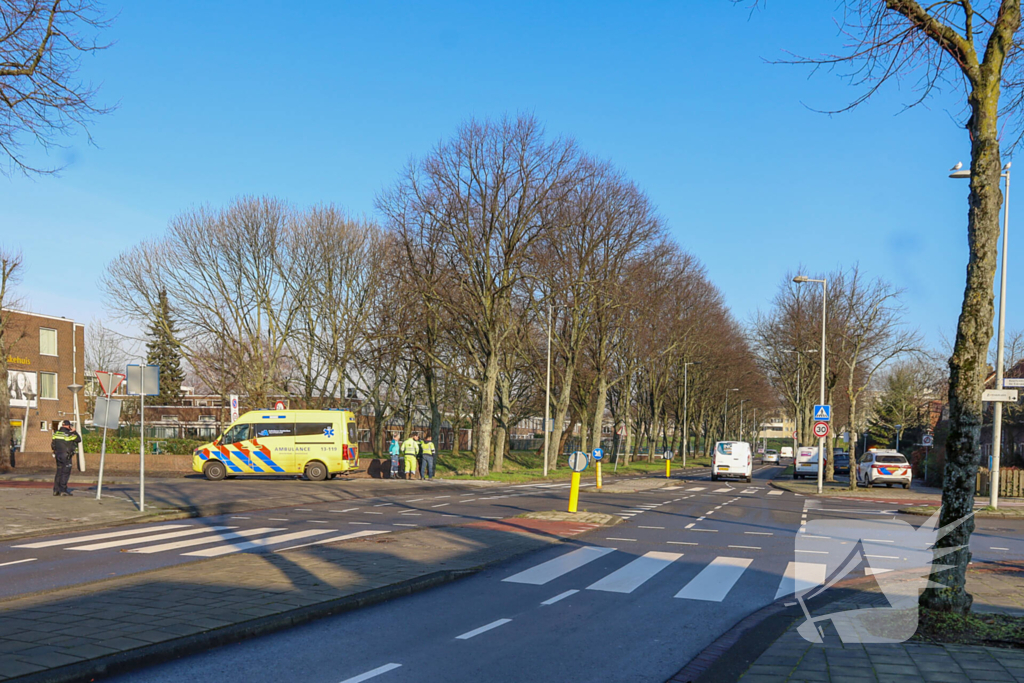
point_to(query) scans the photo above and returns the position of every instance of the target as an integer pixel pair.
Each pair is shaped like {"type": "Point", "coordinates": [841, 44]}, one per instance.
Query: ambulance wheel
{"type": "Point", "coordinates": [214, 470]}
{"type": "Point", "coordinates": [906, 486]}
{"type": "Point", "coordinates": [316, 471]}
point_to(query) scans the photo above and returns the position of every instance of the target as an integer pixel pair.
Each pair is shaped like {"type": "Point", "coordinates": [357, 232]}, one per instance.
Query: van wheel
{"type": "Point", "coordinates": [714, 477]}
{"type": "Point", "coordinates": [748, 479]}
{"type": "Point", "coordinates": [316, 471]}
{"type": "Point", "coordinates": [214, 470]}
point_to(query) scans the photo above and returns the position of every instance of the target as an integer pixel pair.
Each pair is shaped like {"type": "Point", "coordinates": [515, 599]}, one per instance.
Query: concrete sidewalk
{"type": "Point", "coordinates": [77, 633]}
{"type": "Point", "coordinates": [767, 648]}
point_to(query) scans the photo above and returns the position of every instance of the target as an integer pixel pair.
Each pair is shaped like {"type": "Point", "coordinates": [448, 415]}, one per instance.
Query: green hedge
{"type": "Point", "coordinates": [130, 444]}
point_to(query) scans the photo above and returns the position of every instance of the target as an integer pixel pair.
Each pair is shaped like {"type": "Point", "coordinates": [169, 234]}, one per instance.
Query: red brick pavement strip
{"type": "Point", "coordinates": [533, 526]}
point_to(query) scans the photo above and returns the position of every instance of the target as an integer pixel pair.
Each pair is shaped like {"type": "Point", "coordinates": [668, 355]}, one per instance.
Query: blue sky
{"type": "Point", "coordinates": [326, 101]}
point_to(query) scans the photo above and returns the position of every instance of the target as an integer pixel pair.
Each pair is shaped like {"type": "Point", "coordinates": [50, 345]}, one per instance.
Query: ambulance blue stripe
{"type": "Point", "coordinates": [246, 461]}
{"type": "Point", "coordinates": [230, 465]}
{"type": "Point", "coordinates": [267, 461]}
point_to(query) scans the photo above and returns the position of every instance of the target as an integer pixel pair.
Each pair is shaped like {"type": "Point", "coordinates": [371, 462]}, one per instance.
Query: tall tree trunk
{"type": "Point", "coordinates": [601, 403]}
{"type": "Point", "coordinates": [430, 382]}
{"type": "Point", "coordinates": [968, 364]}
{"type": "Point", "coordinates": [481, 467]}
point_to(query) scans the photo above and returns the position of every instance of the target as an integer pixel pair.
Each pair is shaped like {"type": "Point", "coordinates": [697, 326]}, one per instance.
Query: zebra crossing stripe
{"type": "Point", "coordinates": [715, 581]}
{"type": "Point", "coordinates": [552, 569]}
{"type": "Point", "coordinates": [97, 537]}
{"type": "Point", "coordinates": [775, 493]}
{"type": "Point", "coordinates": [212, 538]}
{"type": "Point", "coordinates": [345, 537]}
{"type": "Point", "coordinates": [800, 576]}
{"type": "Point", "coordinates": [627, 579]}
{"type": "Point", "coordinates": [219, 550]}
{"type": "Point", "coordinates": [147, 539]}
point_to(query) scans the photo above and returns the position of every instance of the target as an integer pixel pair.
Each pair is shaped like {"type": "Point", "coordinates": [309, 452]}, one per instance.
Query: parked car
{"type": "Point", "coordinates": [884, 467]}
{"type": "Point", "coordinates": [732, 459]}
{"type": "Point", "coordinates": [770, 455]}
{"type": "Point", "coordinates": [806, 463]}
{"type": "Point", "coordinates": [841, 462]}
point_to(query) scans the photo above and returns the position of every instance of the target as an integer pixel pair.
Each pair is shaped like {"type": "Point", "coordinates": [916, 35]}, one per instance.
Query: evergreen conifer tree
{"type": "Point", "coordinates": [162, 350]}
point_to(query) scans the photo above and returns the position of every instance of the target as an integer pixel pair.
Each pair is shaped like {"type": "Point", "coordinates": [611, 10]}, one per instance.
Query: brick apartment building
{"type": "Point", "coordinates": [47, 355]}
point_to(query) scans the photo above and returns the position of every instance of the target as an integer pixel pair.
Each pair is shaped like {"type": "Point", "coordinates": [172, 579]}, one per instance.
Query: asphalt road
{"type": "Point", "coordinates": [630, 603]}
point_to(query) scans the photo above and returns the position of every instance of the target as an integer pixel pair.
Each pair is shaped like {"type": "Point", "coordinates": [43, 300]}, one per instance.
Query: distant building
{"type": "Point", "coordinates": [777, 427]}
{"type": "Point", "coordinates": [47, 355]}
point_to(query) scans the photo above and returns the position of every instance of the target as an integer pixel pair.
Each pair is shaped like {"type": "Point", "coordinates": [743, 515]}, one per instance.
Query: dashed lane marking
{"type": "Point", "coordinates": [560, 596]}
{"type": "Point", "coordinates": [483, 629]}
{"type": "Point", "coordinates": [8, 564]}
{"type": "Point", "coordinates": [372, 674]}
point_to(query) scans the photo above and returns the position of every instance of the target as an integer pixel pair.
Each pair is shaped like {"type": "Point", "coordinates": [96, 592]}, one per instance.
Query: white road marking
{"type": "Point", "coordinates": [396, 524]}
{"type": "Point", "coordinates": [439, 497]}
{"type": "Point", "coordinates": [219, 550]}
{"type": "Point", "coordinates": [994, 548]}
{"type": "Point", "coordinates": [303, 509]}
{"type": "Point", "coordinates": [813, 552]}
{"type": "Point", "coordinates": [690, 525]}
{"type": "Point", "coordinates": [356, 534]}
{"type": "Point", "coordinates": [212, 538]}
{"type": "Point", "coordinates": [380, 505]}
{"type": "Point", "coordinates": [652, 527]}
{"type": "Point", "coordinates": [367, 512]}
{"type": "Point", "coordinates": [345, 510]}
{"type": "Point", "coordinates": [613, 538]}
{"type": "Point", "coordinates": [883, 557]}
{"type": "Point", "coordinates": [467, 500]}
{"type": "Point", "coordinates": [759, 533]}
{"type": "Point", "coordinates": [372, 674]}
{"type": "Point", "coordinates": [483, 629]}
{"type": "Point", "coordinates": [277, 519]}
{"type": "Point", "coordinates": [8, 564]}
{"type": "Point", "coordinates": [716, 580]}
{"type": "Point", "coordinates": [680, 543]}
{"type": "Point", "coordinates": [746, 547]}
{"type": "Point", "coordinates": [410, 514]}
{"type": "Point", "coordinates": [359, 522]}
{"type": "Point", "coordinates": [714, 531]}
{"type": "Point", "coordinates": [97, 537]}
{"type": "Point", "coordinates": [241, 517]}
{"type": "Point", "coordinates": [633, 575]}
{"type": "Point", "coordinates": [697, 488]}
{"type": "Point", "coordinates": [560, 596]}
{"type": "Point", "coordinates": [440, 505]}
{"type": "Point", "coordinates": [799, 576]}
{"type": "Point", "coordinates": [146, 539]}
{"type": "Point", "coordinates": [775, 493]}
{"type": "Point", "coordinates": [413, 500]}
{"type": "Point", "coordinates": [726, 490]}
{"type": "Point", "coordinates": [871, 571]}
{"type": "Point", "coordinates": [563, 564]}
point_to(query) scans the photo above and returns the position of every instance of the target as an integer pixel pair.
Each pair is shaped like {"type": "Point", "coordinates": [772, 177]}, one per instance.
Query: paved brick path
{"type": "Point", "coordinates": [791, 658]}
{"type": "Point", "coordinates": [150, 612]}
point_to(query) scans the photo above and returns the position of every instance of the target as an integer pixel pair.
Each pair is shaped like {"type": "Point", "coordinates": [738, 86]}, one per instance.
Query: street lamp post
{"type": "Point", "coordinates": [547, 396]}
{"type": "Point", "coordinates": [824, 301]}
{"type": "Point", "coordinates": [899, 429]}
{"type": "Point", "coordinates": [742, 401]}
{"type": "Point", "coordinates": [686, 408]}
{"type": "Point", "coordinates": [997, 410]}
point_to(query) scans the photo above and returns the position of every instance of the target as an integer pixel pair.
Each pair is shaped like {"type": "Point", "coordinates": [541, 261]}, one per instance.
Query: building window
{"type": "Point", "coordinates": [48, 385]}
{"type": "Point", "coordinates": [47, 342]}
{"type": "Point", "coordinates": [207, 418]}
{"type": "Point", "coordinates": [351, 392]}
{"type": "Point", "coordinates": [44, 426]}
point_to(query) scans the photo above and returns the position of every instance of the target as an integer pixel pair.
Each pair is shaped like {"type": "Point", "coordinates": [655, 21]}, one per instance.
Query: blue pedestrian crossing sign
{"type": "Point", "coordinates": [822, 413]}
{"type": "Point", "coordinates": [597, 454]}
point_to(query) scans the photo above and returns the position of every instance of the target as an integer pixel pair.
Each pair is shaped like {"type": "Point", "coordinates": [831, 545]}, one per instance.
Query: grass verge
{"type": "Point", "coordinates": [993, 630]}
{"type": "Point", "coordinates": [524, 466]}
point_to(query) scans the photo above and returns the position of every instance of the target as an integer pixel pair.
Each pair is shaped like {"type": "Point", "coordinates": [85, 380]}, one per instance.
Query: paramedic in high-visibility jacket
{"type": "Point", "coordinates": [64, 445]}
{"type": "Point", "coordinates": [411, 449]}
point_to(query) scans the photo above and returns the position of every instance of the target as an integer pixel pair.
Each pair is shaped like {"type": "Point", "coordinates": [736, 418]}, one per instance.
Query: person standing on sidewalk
{"type": "Point", "coordinates": [395, 451]}
{"type": "Point", "coordinates": [411, 449]}
{"type": "Point", "coordinates": [64, 445]}
{"type": "Point", "coordinates": [427, 462]}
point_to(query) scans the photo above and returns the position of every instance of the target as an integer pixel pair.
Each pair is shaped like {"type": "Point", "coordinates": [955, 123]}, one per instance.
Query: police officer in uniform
{"type": "Point", "coordinates": [64, 446]}
{"type": "Point", "coordinates": [427, 455]}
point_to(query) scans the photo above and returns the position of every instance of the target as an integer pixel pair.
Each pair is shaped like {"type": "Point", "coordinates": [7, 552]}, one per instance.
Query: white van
{"type": "Point", "coordinates": [732, 459]}
{"type": "Point", "coordinates": [806, 463]}
{"type": "Point", "coordinates": [786, 452]}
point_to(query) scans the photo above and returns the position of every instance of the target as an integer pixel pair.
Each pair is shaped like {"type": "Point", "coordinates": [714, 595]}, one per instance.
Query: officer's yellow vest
{"type": "Point", "coordinates": [428, 448]}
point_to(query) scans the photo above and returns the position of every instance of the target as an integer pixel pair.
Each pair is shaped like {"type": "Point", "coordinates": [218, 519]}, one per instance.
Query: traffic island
{"type": "Point", "coordinates": [1003, 512]}
{"type": "Point", "coordinates": [588, 518]}
{"type": "Point", "coordinates": [115, 625]}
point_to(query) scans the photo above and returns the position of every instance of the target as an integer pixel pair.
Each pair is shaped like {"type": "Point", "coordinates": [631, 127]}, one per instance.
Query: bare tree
{"type": "Point", "coordinates": [477, 206]}
{"type": "Point", "coordinates": [106, 349]}
{"type": "Point", "coordinates": [41, 97]}
{"type": "Point", "coordinates": [978, 47]}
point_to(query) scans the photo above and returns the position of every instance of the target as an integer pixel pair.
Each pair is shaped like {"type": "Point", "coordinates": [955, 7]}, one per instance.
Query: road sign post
{"type": "Point", "coordinates": [578, 463]}
{"type": "Point", "coordinates": [109, 382]}
{"type": "Point", "coordinates": [145, 380]}
{"type": "Point", "coordinates": [598, 455]}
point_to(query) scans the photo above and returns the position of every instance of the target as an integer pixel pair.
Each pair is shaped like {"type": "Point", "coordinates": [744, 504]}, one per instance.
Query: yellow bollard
{"type": "Point", "coordinates": [598, 475]}
{"type": "Point", "coordinates": [668, 468]}
{"type": "Point", "coordinates": [574, 492]}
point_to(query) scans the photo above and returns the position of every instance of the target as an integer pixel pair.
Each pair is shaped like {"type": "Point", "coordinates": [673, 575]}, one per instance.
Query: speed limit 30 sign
{"type": "Point", "coordinates": [821, 429]}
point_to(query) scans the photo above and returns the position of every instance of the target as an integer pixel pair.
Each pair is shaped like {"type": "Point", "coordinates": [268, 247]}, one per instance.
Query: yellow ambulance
{"type": "Point", "coordinates": [315, 443]}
